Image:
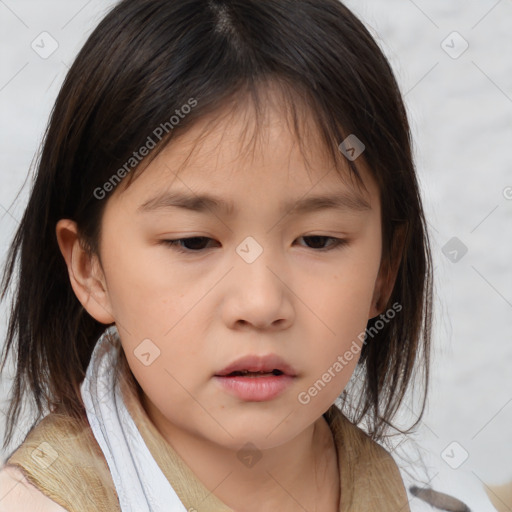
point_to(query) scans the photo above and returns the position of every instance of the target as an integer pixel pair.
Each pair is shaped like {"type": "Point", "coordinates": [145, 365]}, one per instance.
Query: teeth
{"type": "Point", "coordinates": [247, 372]}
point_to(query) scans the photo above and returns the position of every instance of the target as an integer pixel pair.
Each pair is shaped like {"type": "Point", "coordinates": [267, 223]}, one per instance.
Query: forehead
{"type": "Point", "coordinates": [242, 148]}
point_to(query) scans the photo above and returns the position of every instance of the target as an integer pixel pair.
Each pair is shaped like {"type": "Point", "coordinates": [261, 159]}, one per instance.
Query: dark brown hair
{"type": "Point", "coordinates": [145, 60]}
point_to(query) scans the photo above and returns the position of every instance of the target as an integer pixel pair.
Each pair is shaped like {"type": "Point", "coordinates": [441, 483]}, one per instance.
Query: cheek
{"type": "Point", "coordinates": [342, 303]}
{"type": "Point", "coordinates": [146, 293]}
{"type": "Point", "coordinates": [174, 365]}
{"type": "Point", "coordinates": [342, 300]}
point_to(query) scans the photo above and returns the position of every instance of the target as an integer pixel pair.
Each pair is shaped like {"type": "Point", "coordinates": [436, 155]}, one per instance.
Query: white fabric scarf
{"type": "Point", "coordinates": [140, 484]}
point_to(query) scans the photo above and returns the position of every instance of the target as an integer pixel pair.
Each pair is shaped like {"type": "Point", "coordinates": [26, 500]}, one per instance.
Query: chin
{"type": "Point", "coordinates": [263, 432]}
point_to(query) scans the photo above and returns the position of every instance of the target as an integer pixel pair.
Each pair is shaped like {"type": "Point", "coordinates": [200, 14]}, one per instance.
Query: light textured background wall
{"type": "Point", "coordinates": [461, 114]}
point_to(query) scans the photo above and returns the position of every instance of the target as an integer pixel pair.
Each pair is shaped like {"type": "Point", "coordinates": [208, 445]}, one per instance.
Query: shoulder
{"type": "Point", "coordinates": [62, 461]}
{"type": "Point", "coordinates": [17, 494]}
{"type": "Point", "coordinates": [369, 474]}
{"type": "Point", "coordinates": [356, 445]}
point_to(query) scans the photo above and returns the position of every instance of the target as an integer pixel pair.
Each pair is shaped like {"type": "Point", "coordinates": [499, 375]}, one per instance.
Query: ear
{"type": "Point", "coordinates": [85, 273]}
{"type": "Point", "coordinates": [388, 272]}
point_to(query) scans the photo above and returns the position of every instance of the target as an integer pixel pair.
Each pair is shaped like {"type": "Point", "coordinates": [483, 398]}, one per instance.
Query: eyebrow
{"type": "Point", "coordinates": [203, 203]}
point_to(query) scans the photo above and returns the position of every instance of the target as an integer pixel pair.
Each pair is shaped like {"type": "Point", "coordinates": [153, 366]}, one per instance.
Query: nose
{"type": "Point", "coordinates": [258, 295]}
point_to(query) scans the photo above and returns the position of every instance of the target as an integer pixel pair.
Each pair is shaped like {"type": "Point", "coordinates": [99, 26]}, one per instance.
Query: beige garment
{"type": "Point", "coordinates": [500, 496]}
{"type": "Point", "coordinates": [78, 478]}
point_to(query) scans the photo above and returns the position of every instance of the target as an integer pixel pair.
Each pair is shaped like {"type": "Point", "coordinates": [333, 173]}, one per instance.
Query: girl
{"type": "Point", "coordinates": [224, 230]}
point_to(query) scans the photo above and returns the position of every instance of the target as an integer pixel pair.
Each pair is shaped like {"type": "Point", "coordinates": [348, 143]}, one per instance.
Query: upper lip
{"type": "Point", "coordinates": [255, 363]}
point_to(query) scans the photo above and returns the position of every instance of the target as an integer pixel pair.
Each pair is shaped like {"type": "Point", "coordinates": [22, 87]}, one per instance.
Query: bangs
{"type": "Point", "coordinates": [312, 128]}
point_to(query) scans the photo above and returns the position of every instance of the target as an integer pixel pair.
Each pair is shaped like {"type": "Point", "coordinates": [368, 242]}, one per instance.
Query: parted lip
{"type": "Point", "coordinates": [254, 363]}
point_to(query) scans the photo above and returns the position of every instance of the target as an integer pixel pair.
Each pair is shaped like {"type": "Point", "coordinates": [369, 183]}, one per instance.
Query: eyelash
{"type": "Point", "coordinates": [174, 244]}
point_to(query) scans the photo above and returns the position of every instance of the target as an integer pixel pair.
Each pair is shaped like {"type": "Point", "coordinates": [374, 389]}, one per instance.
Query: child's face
{"type": "Point", "coordinates": [206, 309]}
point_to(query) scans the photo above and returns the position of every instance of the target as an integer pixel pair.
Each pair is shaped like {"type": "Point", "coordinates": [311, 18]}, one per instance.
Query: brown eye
{"type": "Point", "coordinates": [318, 242]}
{"type": "Point", "coordinates": [200, 243]}
{"type": "Point", "coordinates": [193, 244]}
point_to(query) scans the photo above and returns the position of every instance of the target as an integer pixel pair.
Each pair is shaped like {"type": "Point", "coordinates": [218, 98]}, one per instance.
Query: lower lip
{"type": "Point", "coordinates": [255, 389]}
